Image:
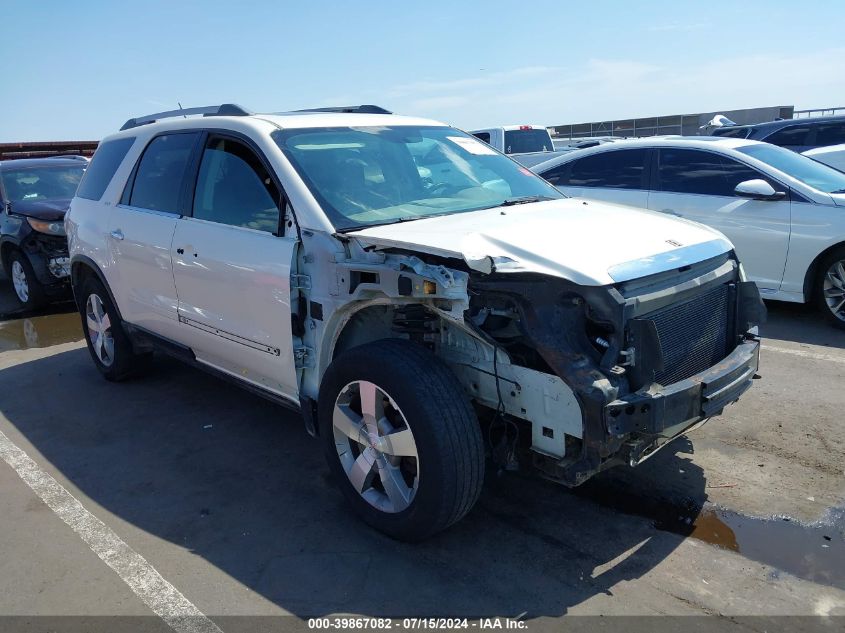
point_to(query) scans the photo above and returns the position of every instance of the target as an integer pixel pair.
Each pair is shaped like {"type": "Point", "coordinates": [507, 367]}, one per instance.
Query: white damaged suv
{"type": "Point", "coordinates": [422, 299]}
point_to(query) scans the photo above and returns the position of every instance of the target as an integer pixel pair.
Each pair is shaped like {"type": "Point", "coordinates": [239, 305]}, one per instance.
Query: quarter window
{"type": "Point", "coordinates": [161, 171]}
{"type": "Point", "coordinates": [621, 169]}
{"type": "Point", "coordinates": [483, 136]}
{"type": "Point", "coordinates": [101, 169]}
{"type": "Point", "coordinates": [234, 188]}
{"type": "Point", "coordinates": [705, 173]}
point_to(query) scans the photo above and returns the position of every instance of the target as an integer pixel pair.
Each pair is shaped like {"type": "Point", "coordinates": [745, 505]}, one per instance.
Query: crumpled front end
{"type": "Point", "coordinates": [646, 359]}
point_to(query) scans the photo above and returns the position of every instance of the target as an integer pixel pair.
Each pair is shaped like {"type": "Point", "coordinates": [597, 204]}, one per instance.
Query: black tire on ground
{"type": "Point", "coordinates": [837, 255]}
{"type": "Point", "coordinates": [446, 431]}
{"type": "Point", "coordinates": [124, 362]}
{"type": "Point", "coordinates": [36, 297]}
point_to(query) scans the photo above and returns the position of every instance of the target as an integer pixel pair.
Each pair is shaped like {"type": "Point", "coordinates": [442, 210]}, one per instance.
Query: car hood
{"type": "Point", "coordinates": [590, 243]}
{"type": "Point", "coordinates": [42, 209]}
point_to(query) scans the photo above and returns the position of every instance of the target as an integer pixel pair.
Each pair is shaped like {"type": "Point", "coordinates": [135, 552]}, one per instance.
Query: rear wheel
{"type": "Point", "coordinates": [830, 289]}
{"type": "Point", "coordinates": [28, 289]}
{"type": "Point", "coordinates": [110, 347]}
{"type": "Point", "coordinates": [401, 438]}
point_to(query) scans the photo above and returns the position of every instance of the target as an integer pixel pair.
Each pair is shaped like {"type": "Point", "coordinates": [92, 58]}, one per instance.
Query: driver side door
{"type": "Point", "coordinates": [699, 185]}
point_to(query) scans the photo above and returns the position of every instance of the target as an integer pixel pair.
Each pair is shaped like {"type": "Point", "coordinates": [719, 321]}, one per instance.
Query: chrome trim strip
{"type": "Point", "coordinates": [662, 262]}
{"type": "Point", "coordinates": [166, 214]}
{"type": "Point", "coordinates": [261, 347]}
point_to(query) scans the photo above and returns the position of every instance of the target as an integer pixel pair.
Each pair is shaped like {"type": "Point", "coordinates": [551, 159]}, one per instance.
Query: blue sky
{"type": "Point", "coordinates": [78, 70]}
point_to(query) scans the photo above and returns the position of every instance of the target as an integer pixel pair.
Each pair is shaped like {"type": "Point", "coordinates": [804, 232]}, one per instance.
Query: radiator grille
{"type": "Point", "coordinates": [693, 335]}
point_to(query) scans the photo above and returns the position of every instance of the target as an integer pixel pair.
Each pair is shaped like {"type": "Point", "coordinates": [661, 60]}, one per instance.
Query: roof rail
{"type": "Point", "coordinates": [225, 109]}
{"type": "Point", "coordinates": [357, 109]}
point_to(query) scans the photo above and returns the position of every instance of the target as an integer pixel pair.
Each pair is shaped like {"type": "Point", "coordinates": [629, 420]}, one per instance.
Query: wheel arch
{"type": "Point", "coordinates": [81, 267]}
{"type": "Point", "coordinates": [813, 270]}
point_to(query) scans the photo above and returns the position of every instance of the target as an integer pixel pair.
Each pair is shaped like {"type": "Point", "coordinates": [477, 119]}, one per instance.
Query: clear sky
{"type": "Point", "coordinates": [78, 70]}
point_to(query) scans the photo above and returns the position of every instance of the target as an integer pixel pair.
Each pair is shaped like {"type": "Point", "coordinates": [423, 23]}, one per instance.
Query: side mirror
{"type": "Point", "coordinates": [758, 189]}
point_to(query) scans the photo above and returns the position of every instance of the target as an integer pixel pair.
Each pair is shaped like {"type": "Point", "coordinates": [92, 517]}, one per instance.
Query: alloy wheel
{"type": "Point", "coordinates": [376, 446]}
{"type": "Point", "coordinates": [834, 289]}
{"type": "Point", "coordinates": [20, 282]}
{"type": "Point", "coordinates": [99, 329]}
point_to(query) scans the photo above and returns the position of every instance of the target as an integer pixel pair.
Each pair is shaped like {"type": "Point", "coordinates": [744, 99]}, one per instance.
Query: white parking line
{"type": "Point", "coordinates": [803, 353]}
{"type": "Point", "coordinates": [158, 594]}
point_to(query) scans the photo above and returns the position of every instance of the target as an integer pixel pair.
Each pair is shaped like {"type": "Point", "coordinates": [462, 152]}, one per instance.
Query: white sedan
{"type": "Point", "coordinates": [784, 212]}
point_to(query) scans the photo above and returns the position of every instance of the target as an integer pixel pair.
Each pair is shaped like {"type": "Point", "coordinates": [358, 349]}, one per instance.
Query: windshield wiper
{"type": "Point", "coordinates": [838, 191]}
{"type": "Point", "coordinates": [509, 202]}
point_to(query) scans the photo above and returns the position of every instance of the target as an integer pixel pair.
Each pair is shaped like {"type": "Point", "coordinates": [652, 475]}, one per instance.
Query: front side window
{"type": "Point", "coordinates": [703, 173]}
{"type": "Point", "coordinates": [100, 171]}
{"type": "Point", "coordinates": [161, 172]}
{"type": "Point", "coordinates": [794, 136]}
{"type": "Point", "coordinates": [34, 184]}
{"type": "Point", "coordinates": [815, 174]}
{"type": "Point", "coordinates": [830, 134]}
{"type": "Point", "coordinates": [234, 188]}
{"type": "Point", "coordinates": [365, 176]}
{"type": "Point", "coordinates": [615, 169]}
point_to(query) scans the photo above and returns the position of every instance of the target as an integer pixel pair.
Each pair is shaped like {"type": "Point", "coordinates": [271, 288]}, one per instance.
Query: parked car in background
{"type": "Point", "coordinates": [35, 195]}
{"type": "Point", "coordinates": [517, 139]}
{"type": "Point", "coordinates": [832, 155]}
{"type": "Point", "coordinates": [402, 283]}
{"type": "Point", "coordinates": [784, 212]}
{"type": "Point", "coordinates": [798, 135]}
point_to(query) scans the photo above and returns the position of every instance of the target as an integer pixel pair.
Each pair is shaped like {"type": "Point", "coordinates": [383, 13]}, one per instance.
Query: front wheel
{"type": "Point", "coordinates": [831, 287]}
{"type": "Point", "coordinates": [401, 438]}
{"type": "Point", "coordinates": [28, 289]}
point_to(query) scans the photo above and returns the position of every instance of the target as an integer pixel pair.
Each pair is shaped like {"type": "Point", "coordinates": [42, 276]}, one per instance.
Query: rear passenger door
{"type": "Point", "coordinates": [232, 266]}
{"type": "Point", "coordinates": [141, 229]}
{"type": "Point", "coordinates": [619, 176]}
{"type": "Point", "coordinates": [699, 185]}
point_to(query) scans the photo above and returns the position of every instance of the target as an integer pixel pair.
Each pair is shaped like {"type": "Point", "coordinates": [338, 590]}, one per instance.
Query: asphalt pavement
{"type": "Point", "coordinates": [179, 493]}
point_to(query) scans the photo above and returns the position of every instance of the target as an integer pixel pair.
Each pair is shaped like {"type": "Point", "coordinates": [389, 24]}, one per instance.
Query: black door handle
{"type": "Point", "coordinates": [180, 251]}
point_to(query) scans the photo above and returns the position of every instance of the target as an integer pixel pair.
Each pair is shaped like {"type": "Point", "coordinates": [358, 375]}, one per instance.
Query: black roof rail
{"type": "Point", "coordinates": [356, 109]}
{"type": "Point", "coordinates": [225, 109]}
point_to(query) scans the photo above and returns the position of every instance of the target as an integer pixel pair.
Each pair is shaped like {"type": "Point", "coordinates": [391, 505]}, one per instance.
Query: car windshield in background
{"type": "Point", "coordinates": [365, 176]}
{"type": "Point", "coordinates": [815, 174]}
{"type": "Point", "coordinates": [526, 141]}
{"type": "Point", "coordinates": [41, 183]}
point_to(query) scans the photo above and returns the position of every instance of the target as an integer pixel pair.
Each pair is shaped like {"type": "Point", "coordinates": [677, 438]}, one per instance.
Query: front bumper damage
{"type": "Point", "coordinates": [655, 417]}
{"type": "Point", "coordinates": [626, 413]}
{"type": "Point", "coordinates": [49, 258]}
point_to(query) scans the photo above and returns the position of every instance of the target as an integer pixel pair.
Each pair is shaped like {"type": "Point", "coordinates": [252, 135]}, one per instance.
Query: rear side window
{"type": "Point", "coordinates": [621, 169]}
{"type": "Point", "coordinates": [830, 134]}
{"type": "Point", "coordinates": [161, 171]}
{"type": "Point", "coordinates": [234, 188]}
{"type": "Point", "coordinates": [101, 169]}
{"type": "Point", "coordinates": [794, 136]}
{"type": "Point", "coordinates": [736, 132]}
{"type": "Point", "coordinates": [703, 173]}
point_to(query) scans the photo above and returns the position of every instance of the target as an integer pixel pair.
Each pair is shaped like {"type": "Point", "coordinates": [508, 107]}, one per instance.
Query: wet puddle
{"type": "Point", "coordinates": [40, 331]}
{"type": "Point", "coordinates": [814, 551]}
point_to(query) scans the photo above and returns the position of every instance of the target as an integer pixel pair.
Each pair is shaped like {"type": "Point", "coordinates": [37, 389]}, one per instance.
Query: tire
{"type": "Point", "coordinates": [830, 287]}
{"type": "Point", "coordinates": [108, 343]}
{"type": "Point", "coordinates": [28, 290]}
{"type": "Point", "coordinates": [436, 449]}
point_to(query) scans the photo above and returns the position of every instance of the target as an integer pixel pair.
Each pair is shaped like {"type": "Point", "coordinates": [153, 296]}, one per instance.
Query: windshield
{"type": "Point", "coordinates": [811, 172]}
{"type": "Point", "coordinates": [41, 183]}
{"type": "Point", "coordinates": [525, 141]}
{"type": "Point", "coordinates": [365, 176]}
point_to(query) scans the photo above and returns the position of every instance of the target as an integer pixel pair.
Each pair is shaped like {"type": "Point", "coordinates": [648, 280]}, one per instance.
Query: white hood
{"type": "Point", "coordinates": [590, 243]}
